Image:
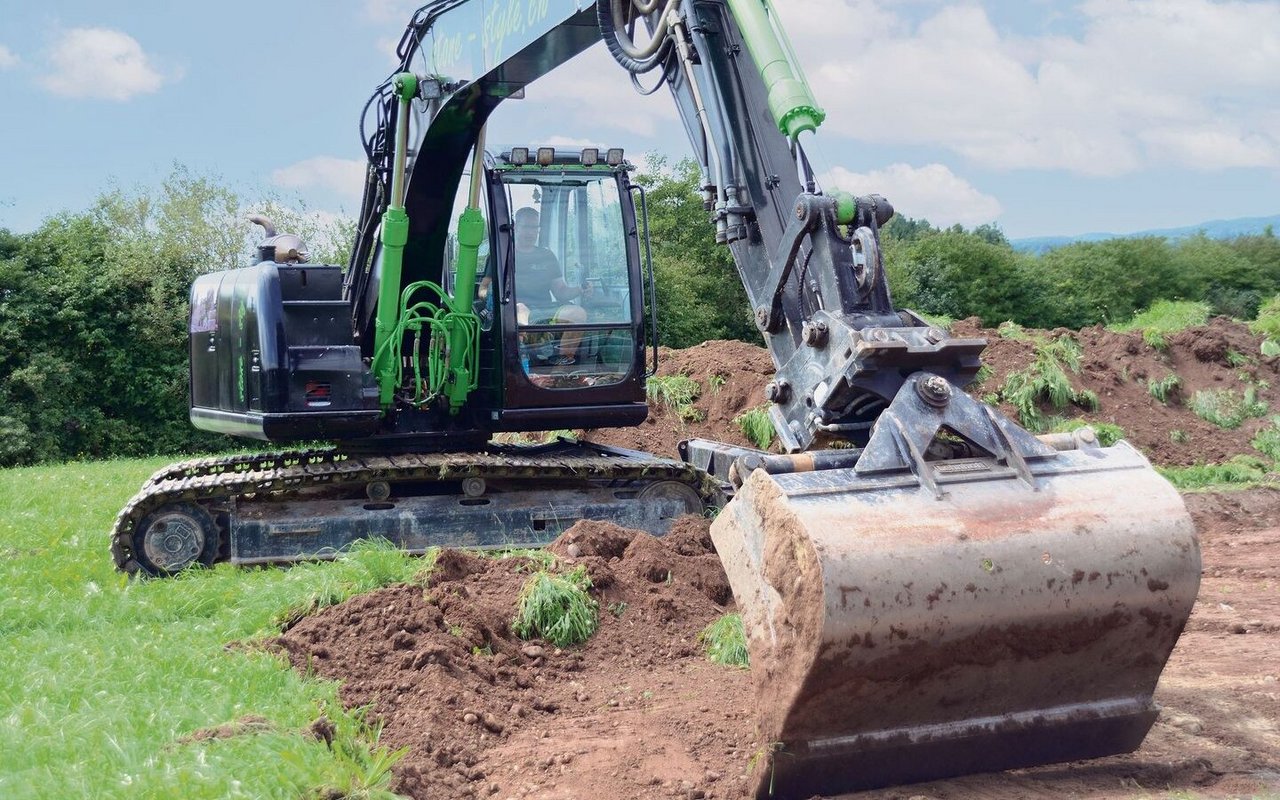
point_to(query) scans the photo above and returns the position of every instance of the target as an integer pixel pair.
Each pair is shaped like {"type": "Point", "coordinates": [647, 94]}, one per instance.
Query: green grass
{"type": "Point", "coordinates": [983, 375]}
{"type": "Point", "coordinates": [1012, 330]}
{"type": "Point", "coordinates": [1268, 324]}
{"type": "Point", "coordinates": [557, 608]}
{"type": "Point", "coordinates": [1227, 408]}
{"type": "Point", "coordinates": [1046, 382]}
{"type": "Point", "coordinates": [1165, 317]}
{"type": "Point", "coordinates": [725, 641]}
{"type": "Point", "coordinates": [104, 678]}
{"type": "Point", "coordinates": [756, 426]}
{"type": "Point", "coordinates": [1108, 433]}
{"type": "Point", "coordinates": [673, 391]}
{"type": "Point", "coordinates": [1165, 388]}
{"type": "Point", "coordinates": [1267, 441]}
{"type": "Point", "coordinates": [1240, 472]}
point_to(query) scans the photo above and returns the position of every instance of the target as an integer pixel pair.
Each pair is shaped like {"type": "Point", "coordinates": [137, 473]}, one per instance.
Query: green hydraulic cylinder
{"type": "Point", "coordinates": [394, 234]}
{"type": "Point", "coordinates": [791, 101]}
{"type": "Point", "coordinates": [461, 336]}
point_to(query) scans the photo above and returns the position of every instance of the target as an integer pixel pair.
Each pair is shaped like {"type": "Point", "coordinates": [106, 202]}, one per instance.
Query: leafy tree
{"type": "Point", "coordinates": [1109, 281]}
{"type": "Point", "coordinates": [1220, 274]}
{"type": "Point", "coordinates": [906, 229]}
{"type": "Point", "coordinates": [959, 274]}
{"type": "Point", "coordinates": [93, 321]}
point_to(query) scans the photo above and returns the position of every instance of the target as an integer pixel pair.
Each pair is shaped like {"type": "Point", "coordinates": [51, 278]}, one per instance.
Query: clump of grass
{"type": "Point", "coordinates": [984, 374]}
{"type": "Point", "coordinates": [1178, 436]}
{"type": "Point", "coordinates": [716, 381]}
{"type": "Point", "coordinates": [1267, 441]}
{"type": "Point", "coordinates": [725, 641]}
{"type": "Point", "coordinates": [1226, 408]}
{"type": "Point", "coordinates": [937, 320]}
{"type": "Point", "coordinates": [691, 413]}
{"type": "Point", "coordinates": [1012, 330]}
{"type": "Point", "coordinates": [756, 426]}
{"type": "Point", "coordinates": [673, 391]}
{"type": "Point", "coordinates": [1239, 471]}
{"type": "Point", "coordinates": [560, 433]}
{"type": "Point", "coordinates": [1108, 433]}
{"type": "Point", "coordinates": [1046, 381]}
{"type": "Point", "coordinates": [1268, 324]}
{"type": "Point", "coordinates": [1165, 388]}
{"type": "Point", "coordinates": [1237, 359]}
{"type": "Point", "coordinates": [1165, 317]}
{"type": "Point", "coordinates": [557, 608]}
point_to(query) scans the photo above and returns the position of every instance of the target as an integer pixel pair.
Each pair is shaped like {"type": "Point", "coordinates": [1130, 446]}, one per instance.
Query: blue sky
{"type": "Point", "coordinates": [1045, 117]}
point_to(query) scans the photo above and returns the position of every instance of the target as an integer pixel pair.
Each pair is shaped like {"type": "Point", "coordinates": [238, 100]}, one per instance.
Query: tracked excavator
{"type": "Point", "coordinates": [928, 589]}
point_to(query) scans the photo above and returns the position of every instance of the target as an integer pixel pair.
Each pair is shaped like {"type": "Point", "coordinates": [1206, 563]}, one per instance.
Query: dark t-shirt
{"type": "Point", "coordinates": [536, 273]}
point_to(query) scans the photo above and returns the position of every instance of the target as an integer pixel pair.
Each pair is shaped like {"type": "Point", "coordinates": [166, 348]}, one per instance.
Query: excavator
{"type": "Point", "coordinates": [928, 589]}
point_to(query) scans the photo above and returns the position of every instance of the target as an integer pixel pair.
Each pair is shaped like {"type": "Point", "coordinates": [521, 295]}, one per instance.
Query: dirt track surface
{"type": "Point", "coordinates": [638, 712]}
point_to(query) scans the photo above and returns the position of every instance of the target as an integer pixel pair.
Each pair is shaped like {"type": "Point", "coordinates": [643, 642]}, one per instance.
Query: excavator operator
{"type": "Point", "coordinates": [541, 290]}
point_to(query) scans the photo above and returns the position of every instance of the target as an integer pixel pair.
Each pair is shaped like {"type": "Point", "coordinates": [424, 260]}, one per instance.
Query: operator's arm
{"type": "Point", "coordinates": [560, 288]}
{"type": "Point", "coordinates": [563, 291]}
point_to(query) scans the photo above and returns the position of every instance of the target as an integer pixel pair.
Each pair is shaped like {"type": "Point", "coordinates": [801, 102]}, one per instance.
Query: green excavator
{"type": "Point", "coordinates": [928, 589]}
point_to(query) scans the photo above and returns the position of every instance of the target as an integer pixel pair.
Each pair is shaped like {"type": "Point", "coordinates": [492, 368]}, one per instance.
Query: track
{"type": "Point", "coordinates": [220, 484]}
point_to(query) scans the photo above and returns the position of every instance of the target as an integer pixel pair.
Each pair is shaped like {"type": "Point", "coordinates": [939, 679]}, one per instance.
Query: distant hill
{"type": "Point", "coordinates": [1217, 229]}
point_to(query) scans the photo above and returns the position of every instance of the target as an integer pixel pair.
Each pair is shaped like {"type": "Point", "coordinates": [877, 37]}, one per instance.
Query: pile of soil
{"type": "Point", "coordinates": [1115, 366]}
{"type": "Point", "coordinates": [732, 376]}
{"type": "Point", "coordinates": [1118, 367]}
{"type": "Point", "coordinates": [638, 711]}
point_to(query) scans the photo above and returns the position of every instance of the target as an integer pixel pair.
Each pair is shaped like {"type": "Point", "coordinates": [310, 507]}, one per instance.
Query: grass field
{"type": "Point", "coordinates": [105, 680]}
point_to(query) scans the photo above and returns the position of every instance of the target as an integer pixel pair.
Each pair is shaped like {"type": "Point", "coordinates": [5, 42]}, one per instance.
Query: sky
{"type": "Point", "coordinates": [1045, 117]}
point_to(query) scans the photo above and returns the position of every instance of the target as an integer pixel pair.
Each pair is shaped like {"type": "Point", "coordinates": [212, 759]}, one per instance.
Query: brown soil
{"type": "Point", "coordinates": [638, 712]}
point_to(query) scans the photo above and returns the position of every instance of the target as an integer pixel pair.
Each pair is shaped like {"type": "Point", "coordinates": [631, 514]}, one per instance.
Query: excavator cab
{"type": "Point", "coordinates": [565, 284]}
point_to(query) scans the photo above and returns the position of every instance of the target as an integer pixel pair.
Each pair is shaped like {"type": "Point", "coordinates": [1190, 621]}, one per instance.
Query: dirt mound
{"type": "Point", "coordinates": [1120, 368]}
{"type": "Point", "coordinates": [637, 711]}
{"type": "Point", "coordinates": [731, 375]}
{"type": "Point", "coordinates": [1117, 367]}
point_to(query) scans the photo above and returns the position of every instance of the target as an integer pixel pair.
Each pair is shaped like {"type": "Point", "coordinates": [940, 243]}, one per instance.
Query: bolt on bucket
{"type": "Point", "coordinates": [1005, 615]}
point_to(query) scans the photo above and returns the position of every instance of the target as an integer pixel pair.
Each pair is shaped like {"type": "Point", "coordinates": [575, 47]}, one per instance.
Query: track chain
{"type": "Point", "coordinates": [209, 480]}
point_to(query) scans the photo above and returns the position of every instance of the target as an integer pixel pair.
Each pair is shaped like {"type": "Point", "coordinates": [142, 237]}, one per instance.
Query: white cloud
{"type": "Point", "coordinates": [99, 62]}
{"type": "Point", "coordinates": [931, 192]}
{"type": "Point", "coordinates": [344, 177]}
{"type": "Point", "coordinates": [1145, 82]}
{"type": "Point", "coordinates": [8, 59]}
{"type": "Point", "coordinates": [592, 91]}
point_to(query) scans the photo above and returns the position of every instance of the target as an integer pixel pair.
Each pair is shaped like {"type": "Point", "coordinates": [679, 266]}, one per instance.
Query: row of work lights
{"type": "Point", "coordinates": [546, 156]}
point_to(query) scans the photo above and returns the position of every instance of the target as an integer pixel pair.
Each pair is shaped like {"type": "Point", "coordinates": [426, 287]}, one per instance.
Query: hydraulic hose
{"type": "Point", "coordinates": [613, 29]}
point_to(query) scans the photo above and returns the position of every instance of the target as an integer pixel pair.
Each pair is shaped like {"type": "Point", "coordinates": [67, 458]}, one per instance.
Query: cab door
{"type": "Point", "coordinates": [572, 299]}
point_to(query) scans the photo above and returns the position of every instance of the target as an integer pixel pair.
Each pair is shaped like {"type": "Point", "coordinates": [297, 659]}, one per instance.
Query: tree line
{"type": "Point", "coordinates": [93, 304]}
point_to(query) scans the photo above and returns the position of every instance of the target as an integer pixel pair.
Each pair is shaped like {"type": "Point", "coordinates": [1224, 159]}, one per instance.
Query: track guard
{"type": "Point", "coordinates": [911, 620]}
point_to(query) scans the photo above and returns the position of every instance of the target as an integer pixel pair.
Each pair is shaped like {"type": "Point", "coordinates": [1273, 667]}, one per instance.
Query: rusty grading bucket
{"type": "Point", "coordinates": [901, 632]}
